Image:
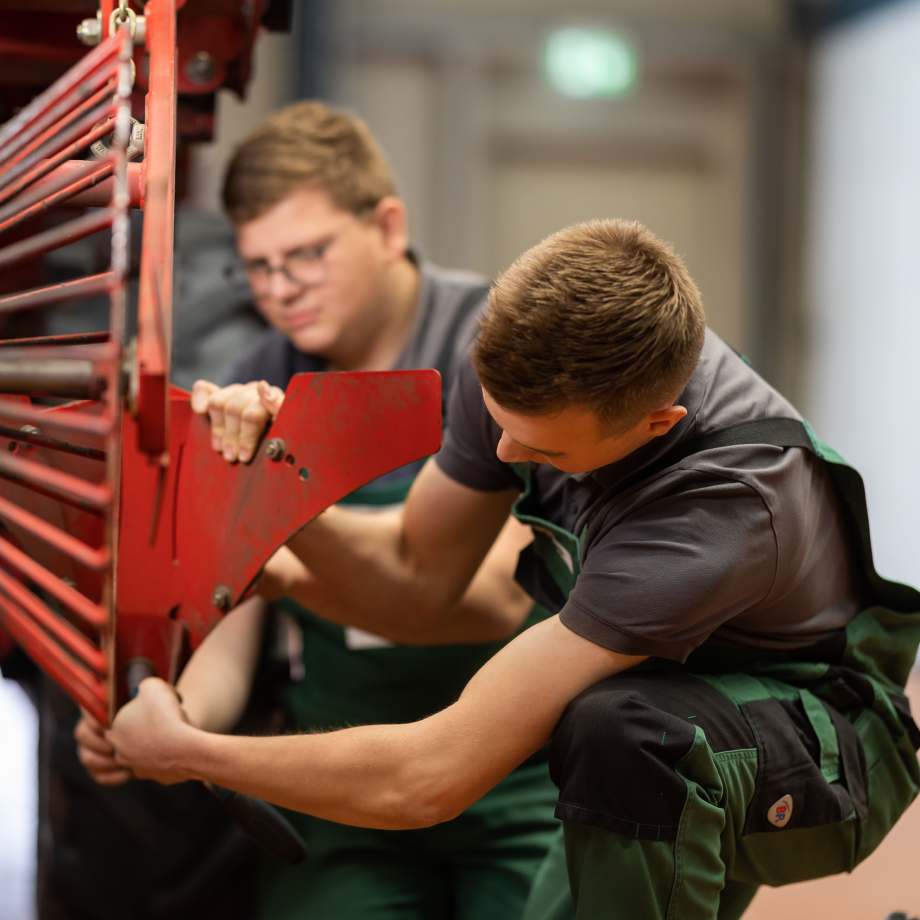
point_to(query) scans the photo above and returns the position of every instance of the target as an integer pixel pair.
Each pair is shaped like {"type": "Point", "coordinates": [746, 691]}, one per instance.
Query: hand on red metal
{"type": "Point", "coordinates": [148, 732]}
{"type": "Point", "coordinates": [239, 414]}
{"type": "Point", "coordinates": [97, 755]}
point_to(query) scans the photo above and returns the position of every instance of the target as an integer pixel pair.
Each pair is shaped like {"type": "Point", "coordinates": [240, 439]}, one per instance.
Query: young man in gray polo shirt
{"type": "Point", "coordinates": [722, 683]}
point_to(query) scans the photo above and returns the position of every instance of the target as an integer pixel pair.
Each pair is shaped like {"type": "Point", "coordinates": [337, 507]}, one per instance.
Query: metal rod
{"type": "Point", "coordinates": [95, 559]}
{"type": "Point", "coordinates": [88, 611]}
{"type": "Point", "coordinates": [13, 213]}
{"type": "Point", "coordinates": [92, 286]}
{"type": "Point", "coordinates": [39, 440]}
{"type": "Point", "coordinates": [86, 97]}
{"type": "Point", "coordinates": [29, 472]}
{"type": "Point", "coordinates": [21, 175]}
{"type": "Point", "coordinates": [89, 63]}
{"type": "Point", "coordinates": [55, 238]}
{"type": "Point", "coordinates": [77, 338]}
{"type": "Point", "coordinates": [85, 687]}
{"type": "Point", "coordinates": [67, 419]}
{"type": "Point", "coordinates": [72, 639]}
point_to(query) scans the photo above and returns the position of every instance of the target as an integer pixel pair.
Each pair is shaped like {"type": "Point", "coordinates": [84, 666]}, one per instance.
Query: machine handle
{"type": "Point", "coordinates": [263, 823]}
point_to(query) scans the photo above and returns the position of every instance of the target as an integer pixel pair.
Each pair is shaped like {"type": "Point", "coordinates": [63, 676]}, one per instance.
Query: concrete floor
{"type": "Point", "coordinates": [888, 881]}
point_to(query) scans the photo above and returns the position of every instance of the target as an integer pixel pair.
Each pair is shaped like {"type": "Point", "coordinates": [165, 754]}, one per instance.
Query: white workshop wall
{"type": "Point", "coordinates": [864, 297]}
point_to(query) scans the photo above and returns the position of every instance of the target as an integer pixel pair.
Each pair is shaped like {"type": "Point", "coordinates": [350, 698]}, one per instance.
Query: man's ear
{"type": "Point", "coordinates": [390, 218]}
{"type": "Point", "coordinates": [661, 421]}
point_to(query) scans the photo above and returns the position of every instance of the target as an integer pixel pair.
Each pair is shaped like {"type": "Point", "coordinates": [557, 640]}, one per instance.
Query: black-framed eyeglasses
{"type": "Point", "coordinates": [304, 267]}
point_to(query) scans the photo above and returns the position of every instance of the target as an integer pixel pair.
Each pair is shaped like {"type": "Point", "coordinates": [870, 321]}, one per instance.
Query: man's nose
{"type": "Point", "coordinates": [509, 451]}
{"type": "Point", "coordinates": [281, 287]}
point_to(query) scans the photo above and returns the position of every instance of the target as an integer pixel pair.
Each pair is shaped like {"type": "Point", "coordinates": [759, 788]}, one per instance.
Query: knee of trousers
{"type": "Point", "coordinates": [614, 758]}
{"type": "Point", "coordinates": [615, 752]}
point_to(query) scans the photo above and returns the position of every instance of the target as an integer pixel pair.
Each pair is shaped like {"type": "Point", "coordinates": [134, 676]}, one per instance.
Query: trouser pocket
{"type": "Point", "coordinates": [811, 766]}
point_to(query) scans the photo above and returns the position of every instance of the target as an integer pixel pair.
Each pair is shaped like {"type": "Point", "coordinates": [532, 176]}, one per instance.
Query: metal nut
{"type": "Point", "coordinates": [222, 597]}
{"type": "Point", "coordinates": [274, 448]}
{"type": "Point", "coordinates": [90, 30]}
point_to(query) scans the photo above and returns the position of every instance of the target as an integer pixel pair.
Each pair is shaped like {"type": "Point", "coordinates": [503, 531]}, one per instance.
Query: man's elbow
{"type": "Point", "coordinates": [422, 804]}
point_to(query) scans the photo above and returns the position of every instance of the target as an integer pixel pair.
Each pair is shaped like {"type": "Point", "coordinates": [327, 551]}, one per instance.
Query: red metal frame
{"type": "Point", "coordinates": [124, 535]}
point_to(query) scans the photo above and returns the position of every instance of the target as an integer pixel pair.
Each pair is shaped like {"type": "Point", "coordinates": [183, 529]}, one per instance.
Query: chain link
{"type": "Point", "coordinates": [121, 15]}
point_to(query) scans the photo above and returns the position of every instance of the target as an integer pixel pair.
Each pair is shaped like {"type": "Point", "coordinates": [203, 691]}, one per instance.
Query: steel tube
{"type": "Point", "coordinates": [57, 293]}
{"type": "Point", "coordinates": [88, 611]}
{"type": "Point", "coordinates": [27, 206]}
{"type": "Point", "coordinates": [72, 639]}
{"type": "Point", "coordinates": [57, 418]}
{"type": "Point", "coordinates": [86, 688]}
{"type": "Point", "coordinates": [64, 378]}
{"type": "Point", "coordinates": [55, 238]}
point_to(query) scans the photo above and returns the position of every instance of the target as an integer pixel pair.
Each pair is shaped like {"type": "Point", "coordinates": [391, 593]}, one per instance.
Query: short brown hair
{"type": "Point", "coordinates": [306, 145]}
{"type": "Point", "coordinates": [602, 315]}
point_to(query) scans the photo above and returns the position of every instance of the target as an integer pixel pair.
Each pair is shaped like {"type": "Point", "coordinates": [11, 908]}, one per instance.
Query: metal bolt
{"type": "Point", "coordinates": [201, 68]}
{"type": "Point", "coordinates": [90, 30]}
{"type": "Point", "coordinates": [30, 429]}
{"type": "Point", "coordinates": [274, 448]}
{"type": "Point", "coordinates": [222, 597]}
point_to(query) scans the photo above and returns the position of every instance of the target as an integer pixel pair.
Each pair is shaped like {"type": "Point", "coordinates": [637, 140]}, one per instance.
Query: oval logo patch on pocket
{"type": "Point", "coordinates": [780, 812]}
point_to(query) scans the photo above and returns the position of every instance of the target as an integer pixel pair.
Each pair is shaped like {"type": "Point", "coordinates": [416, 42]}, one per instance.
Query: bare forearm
{"type": "Point", "coordinates": [389, 776]}
{"type": "Point", "coordinates": [216, 682]}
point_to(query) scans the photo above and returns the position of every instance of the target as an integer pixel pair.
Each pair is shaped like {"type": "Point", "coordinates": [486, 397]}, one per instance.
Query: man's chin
{"type": "Point", "coordinates": [311, 340]}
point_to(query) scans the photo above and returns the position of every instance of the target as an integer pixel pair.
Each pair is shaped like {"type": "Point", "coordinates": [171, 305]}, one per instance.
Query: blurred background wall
{"type": "Point", "coordinates": [704, 148]}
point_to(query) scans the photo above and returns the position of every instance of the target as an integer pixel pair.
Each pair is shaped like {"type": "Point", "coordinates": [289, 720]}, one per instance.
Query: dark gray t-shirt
{"type": "Point", "coordinates": [740, 546]}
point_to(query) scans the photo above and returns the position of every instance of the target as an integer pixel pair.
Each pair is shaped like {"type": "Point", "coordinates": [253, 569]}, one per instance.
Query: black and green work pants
{"type": "Point", "coordinates": [681, 794]}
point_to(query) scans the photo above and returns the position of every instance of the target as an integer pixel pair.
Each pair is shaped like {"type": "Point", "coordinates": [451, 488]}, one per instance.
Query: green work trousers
{"type": "Point", "coordinates": [713, 867]}
{"type": "Point", "coordinates": [479, 866]}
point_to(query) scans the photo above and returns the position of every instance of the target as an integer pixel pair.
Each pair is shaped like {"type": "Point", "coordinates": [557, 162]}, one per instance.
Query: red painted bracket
{"type": "Point", "coordinates": [196, 532]}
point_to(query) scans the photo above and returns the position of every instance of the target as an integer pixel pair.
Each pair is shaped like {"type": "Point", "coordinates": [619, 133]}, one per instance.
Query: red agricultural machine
{"type": "Point", "coordinates": [123, 537]}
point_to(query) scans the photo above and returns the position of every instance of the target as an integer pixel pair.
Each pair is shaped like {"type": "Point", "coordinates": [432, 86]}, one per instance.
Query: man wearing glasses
{"type": "Point", "coordinates": [324, 255]}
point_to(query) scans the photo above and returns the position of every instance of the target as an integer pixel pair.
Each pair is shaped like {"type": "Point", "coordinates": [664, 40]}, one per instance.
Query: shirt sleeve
{"type": "Point", "coordinates": [663, 579]}
{"type": "Point", "coordinates": [468, 452]}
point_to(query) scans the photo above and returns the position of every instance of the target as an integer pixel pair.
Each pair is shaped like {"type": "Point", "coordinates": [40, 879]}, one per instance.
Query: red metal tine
{"type": "Point", "coordinates": [92, 614]}
{"type": "Point", "coordinates": [75, 338]}
{"type": "Point", "coordinates": [72, 639]}
{"type": "Point", "coordinates": [58, 293]}
{"type": "Point", "coordinates": [25, 207]}
{"type": "Point", "coordinates": [59, 236]}
{"type": "Point", "coordinates": [79, 682]}
{"type": "Point", "coordinates": [63, 485]}
{"type": "Point", "coordinates": [35, 110]}
{"type": "Point", "coordinates": [100, 88]}
{"type": "Point", "coordinates": [81, 134]}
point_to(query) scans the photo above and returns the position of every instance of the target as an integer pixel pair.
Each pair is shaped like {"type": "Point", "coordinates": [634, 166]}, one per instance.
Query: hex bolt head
{"type": "Point", "coordinates": [222, 597]}
{"type": "Point", "coordinates": [274, 448]}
